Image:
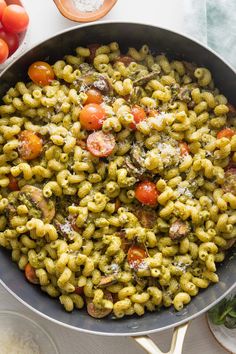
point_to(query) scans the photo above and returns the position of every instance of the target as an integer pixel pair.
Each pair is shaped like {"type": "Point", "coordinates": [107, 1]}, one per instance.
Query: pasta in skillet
{"type": "Point", "coordinates": [118, 179]}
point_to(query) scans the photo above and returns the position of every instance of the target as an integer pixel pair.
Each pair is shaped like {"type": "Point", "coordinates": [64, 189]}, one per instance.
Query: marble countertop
{"type": "Point", "coordinates": [171, 14]}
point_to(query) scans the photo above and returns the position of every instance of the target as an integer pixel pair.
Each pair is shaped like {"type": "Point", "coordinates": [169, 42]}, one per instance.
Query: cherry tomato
{"type": "Point", "coordinates": [125, 59]}
{"type": "Point", "coordinates": [11, 39]}
{"type": "Point", "coordinates": [30, 146]}
{"type": "Point", "coordinates": [94, 96]}
{"type": "Point", "coordinates": [79, 290]}
{"type": "Point", "coordinates": [184, 148]}
{"type": "Point", "coordinates": [92, 47]}
{"type": "Point", "coordinates": [139, 115]}
{"type": "Point", "coordinates": [41, 73]}
{"type": "Point", "coordinates": [3, 5]}
{"type": "Point", "coordinates": [100, 144]}
{"type": "Point", "coordinates": [30, 274]}
{"type": "Point", "coordinates": [91, 116]}
{"type": "Point", "coordinates": [226, 133]}
{"type": "Point", "coordinates": [4, 51]}
{"type": "Point", "coordinates": [135, 256]}
{"type": "Point", "coordinates": [15, 19]}
{"type": "Point", "coordinates": [146, 193]}
{"type": "Point", "coordinates": [13, 184]}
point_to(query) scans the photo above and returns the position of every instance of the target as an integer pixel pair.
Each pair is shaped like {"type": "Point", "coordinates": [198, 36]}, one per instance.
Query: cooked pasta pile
{"type": "Point", "coordinates": [118, 179]}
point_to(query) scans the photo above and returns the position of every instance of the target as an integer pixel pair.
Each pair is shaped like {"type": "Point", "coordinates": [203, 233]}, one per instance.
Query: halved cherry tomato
{"type": "Point", "coordinates": [15, 19]}
{"type": "Point", "coordinates": [41, 73]}
{"type": "Point", "coordinates": [11, 39]}
{"type": "Point", "coordinates": [226, 133]}
{"type": "Point", "coordinates": [94, 96]}
{"type": "Point", "coordinates": [3, 5]}
{"type": "Point", "coordinates": [100, 144]}
{"type": "Point", "coordinates": [91, 116]}
{"type": "Point", "coordinates": [30, 274]}
{"type": "Point", "coordinates": [146, 192]}
{"type": "Point", "coordinates": [30, 146]}
{"type": "Point", "coordinates": [135, 256]}
{"type": "Point", "coordinates": [139, 115]}
{"type": "Point", "coordinates": [79, 290]}
{"type": "Point", "coordinates": [125, 59]}
{"type": "Point", "coordinates": [13, 183]}
{"type": "Point", "coordinates": [92, 47]}
{"type": "Point", "coordinates": [184, 148]}
{"type": "Point", "coordinates": [4, 51]}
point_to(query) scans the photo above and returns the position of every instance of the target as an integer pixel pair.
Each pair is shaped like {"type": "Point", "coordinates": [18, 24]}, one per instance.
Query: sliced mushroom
{"type": "Point", "coordinates": [95, 80]}
{"type": "Point", "coordinates": [107, 280]}
{"type": "Point", "coordinates": [95, 312]}
{"type": "Point", "coordinates": [229, 185]}
{"type": "Point", "coordinates": [33, 196]}
{"type": "Point", "coordinates": [190, 68]}
{"type": "Point", "coordinates": [178, 230]}
{"type": "Point", "coordinates": [132, 170]}
{"type": "Point", "coordinates": [146, 216]}
{"type": "Point", "coordinates": [145, 79]}
{"type": "Point", "coordinates": [125, 243]}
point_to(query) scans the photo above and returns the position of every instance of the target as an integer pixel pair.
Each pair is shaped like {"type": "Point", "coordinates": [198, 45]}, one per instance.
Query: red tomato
{"type": "Point", "coordinates": [4, 51]}
{"type": "Point", "coordinates": [184, 148]}
{"type": "Point", "coordinates": [11, 39]}
{"type": "Point", "coordinates": [13, 184]}
{"type": "Point", "coordinates": [135, 256]}
{"type": "Point", "coordinates": [3, 5]}
{"type": "Point", "coordinates": [92, 47]}
{"type": "Point", "coordinates": [146, 193]}
{"type": "Point", "coordinates": [91, 116]}
{"type": "Point", "coordinates": [94, 96]}
{"type": "Point", "coordinates": [125, 59]}
{"type": "Point", "coordinates": [30, 274]}
{"type": "Point", "coordinates": [41, 73]}
{"type": "Point", "coordinates": [100, 144]}
{"type": "Point", "coordinates": [139, 115]}
{"type": "Point", "coordinates": [15, 19]}
{"type": "Point", "coordinates": [30, 146]}
{"type": "Point", "coordinates": [226, 133]}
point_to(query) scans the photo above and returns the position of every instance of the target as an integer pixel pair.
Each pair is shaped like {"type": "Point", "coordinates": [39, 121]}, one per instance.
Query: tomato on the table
{"type": "Point", "coordinates": [30, 274]}
{"type": "Point", "coordinates": [41, 73]}
{"type": "Point", "coordinates": [226, 133]}
{"type": "Point", "coordinates": [91, 116]}
{"type": "Point", "coordinates": [15, 19]}
{"type": "Point", "coordinates": [4, 51]}
{"type": "Point", "coordinates": [136, 255]}
{"type": "Point", "coordinates": [184, 148]}
{"type": "Point", "coordinates": [92, 47]}
{"type": "Point", "coordinates": [3, 5]}
{"type": "Point", "coordinates": [13, 183]}
{"type": "Point", "coordinates": [146, 193]}
{"type": "Point", "coordinates": [11, 40]}
{"type": "Point", "coordinates": [138, 114]}
{"type": "Point", "coordinates": [30, 146]}
{"type": "Point", "coordinates": [101, 144]}
{"type": "Point", "coordinates": [94, 96]}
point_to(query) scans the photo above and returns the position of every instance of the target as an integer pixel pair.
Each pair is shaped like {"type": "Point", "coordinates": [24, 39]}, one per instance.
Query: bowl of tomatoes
{"type": "Point", "coordinates": [14, 22]}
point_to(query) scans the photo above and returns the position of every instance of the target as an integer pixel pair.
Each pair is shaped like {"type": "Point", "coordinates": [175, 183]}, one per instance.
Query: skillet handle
{"type": "Point", "coordinates": [176, 344]}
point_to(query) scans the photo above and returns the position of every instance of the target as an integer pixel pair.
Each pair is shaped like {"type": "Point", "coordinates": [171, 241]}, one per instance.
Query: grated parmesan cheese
{"type": "Point", "coordinates": [88, 5]}
{"type": "Point", "coordinates": [14, 343]}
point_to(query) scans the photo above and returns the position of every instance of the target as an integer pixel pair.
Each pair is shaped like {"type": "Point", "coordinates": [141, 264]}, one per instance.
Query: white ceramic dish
{"type": "Point", "coordinates": [22, 325]}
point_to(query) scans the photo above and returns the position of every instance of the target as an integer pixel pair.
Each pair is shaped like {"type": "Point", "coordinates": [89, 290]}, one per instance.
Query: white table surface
{"type": "Point", "coordinates": [45, 21]}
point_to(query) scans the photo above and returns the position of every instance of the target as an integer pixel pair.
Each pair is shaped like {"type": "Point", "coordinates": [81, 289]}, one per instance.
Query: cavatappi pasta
{"type": "Point", "coordinates": [118, 179]}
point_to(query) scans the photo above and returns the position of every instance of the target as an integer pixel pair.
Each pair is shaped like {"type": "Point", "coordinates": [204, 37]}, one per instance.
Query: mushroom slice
{"type": "Point", "coordinates": [145, 79]}
{"type": "Point", "coordinates": [34, 196]}
{"type": "Point", "coordinates": [107, 280]}
{"type": "Point", "coordinates": [95, 312]}
{"type": "Point", "coordinates": [178, 230]}
{"type": "Point", "coordinates": [146, 216]}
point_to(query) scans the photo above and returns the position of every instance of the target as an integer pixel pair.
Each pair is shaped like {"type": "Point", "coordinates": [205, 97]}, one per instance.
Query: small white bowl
{"type": "Point", "coordinates": [17, 323]}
